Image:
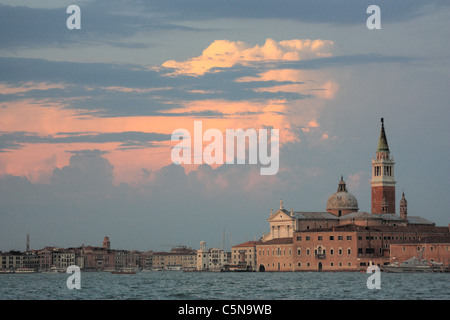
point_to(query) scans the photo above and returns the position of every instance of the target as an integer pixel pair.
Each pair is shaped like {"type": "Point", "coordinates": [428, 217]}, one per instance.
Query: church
{"type": "Point", "coordinates": [342, 238]}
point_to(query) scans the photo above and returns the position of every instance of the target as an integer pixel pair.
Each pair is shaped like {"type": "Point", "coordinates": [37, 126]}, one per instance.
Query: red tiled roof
{"type": "Point", "coordinates": [248, 244]}
{"type": "Point", "coordinates": [277, 241]}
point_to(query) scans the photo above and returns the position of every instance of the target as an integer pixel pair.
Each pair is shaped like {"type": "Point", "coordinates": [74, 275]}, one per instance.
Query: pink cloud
{"type": "Point", "coordinates": [225, 54]}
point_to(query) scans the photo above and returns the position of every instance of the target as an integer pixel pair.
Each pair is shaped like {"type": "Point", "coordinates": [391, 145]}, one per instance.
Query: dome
{"type": "Point", "coordinates": [342, 200]}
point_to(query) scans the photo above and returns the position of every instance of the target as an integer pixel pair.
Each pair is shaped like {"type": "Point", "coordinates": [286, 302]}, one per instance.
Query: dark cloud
{"type": "Point", "coordinates": [318, 11]}
{"type": "Point", "coordinates": [114, 22]}
{"type": "Point", "coordinates": [102, 22]}
{"type": "Point", "coordinates": [15, 140]}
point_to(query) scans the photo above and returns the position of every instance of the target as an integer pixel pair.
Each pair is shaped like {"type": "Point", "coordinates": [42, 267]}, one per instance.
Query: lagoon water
{"type": "Point", "coordinates": [177, 285]}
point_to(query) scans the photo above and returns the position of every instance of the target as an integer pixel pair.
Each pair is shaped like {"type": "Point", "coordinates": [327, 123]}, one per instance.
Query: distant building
{"type": "Point", "coordinates": [213, 259]}
{"type": "Point", "coordinates": [12, 260]}
{"type": "Point", "coordinates": [62, 258]}
{"type": "Point", "coordinates": [178, 258]}
{"type": "Point", "coordinates": [97, 258]}
{"type": "Point", "coordinates": [344, 238]}
{"type": "Point", "coordinates": [244, 255]}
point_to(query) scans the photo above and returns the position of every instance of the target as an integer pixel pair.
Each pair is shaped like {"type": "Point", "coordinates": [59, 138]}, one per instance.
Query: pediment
{"type": "Point", "coordinates": [280, 215]}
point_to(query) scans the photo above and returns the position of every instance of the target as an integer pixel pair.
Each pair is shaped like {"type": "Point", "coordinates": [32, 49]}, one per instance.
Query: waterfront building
{"type": "Point", "coordinates": [146, 260]}
{"type": "Point", "coordinates": [97, 258]}
{"type": "Point", "coordinates": [62, 258]}
{"type": "Point", "coordinates": [213, 259]}
{"type": "Point", "coordinates": [12, 260]}
{"type": "Point", "coordinates": [342, 238]}
{"type": "Point", "coordinates": [45, 258]}
{"type": "Point", "coordinates": [244, 255]}
{"type": "Point", "coordinates": [431, 248]}
{"type": "Point", "coordinates": [178, 258]}
{"type": "Point", "coordinates": [126, 259]}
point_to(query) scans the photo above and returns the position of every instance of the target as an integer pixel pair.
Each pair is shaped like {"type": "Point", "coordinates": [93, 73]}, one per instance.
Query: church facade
{"type": "Point", "coordinates": [342, 238]}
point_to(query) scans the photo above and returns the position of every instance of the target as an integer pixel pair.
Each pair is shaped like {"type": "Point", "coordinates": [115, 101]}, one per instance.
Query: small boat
{"type": "Point", "coordinates": [125, 271]}
{"type": "Point", "coordinates": [25, 270]}
{"type": "Point", "coordinates": [5, 271]}
{"type": "Point", "coordinates": [174, 268]}
{"type": "Point", "coordinates": [157, 269]}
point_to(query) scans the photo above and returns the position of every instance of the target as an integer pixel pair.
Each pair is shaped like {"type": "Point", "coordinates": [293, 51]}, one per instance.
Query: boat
{"type": "Point", "coordinates": [412, 265]}
{"type": "Point", "coordinates": [236, 268]}
{"type": "Point", "coordinates": [5, 271]}
{"type": "Point", "coordinates": [157, 269]}
{"type": "Point", "coordinates": [129, 270]}
{"type": "Point", "coordinates": [25, 270]}
{"type": "Point", "coordinates": [173, 268]}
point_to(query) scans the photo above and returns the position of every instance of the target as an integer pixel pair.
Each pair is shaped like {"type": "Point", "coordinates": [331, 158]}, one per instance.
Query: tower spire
{"type": "Point", "coordinates": [382, 142]}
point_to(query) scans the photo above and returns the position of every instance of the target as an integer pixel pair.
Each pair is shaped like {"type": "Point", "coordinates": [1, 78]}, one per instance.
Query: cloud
{"type": "Point", "coordinates": [121, 24]}
{"type": "Point", "coordinates": [14, 140]}
{"type": "Point", "coordinates": [111, 23]}
{"type": "Point", "coordinates": [226, 54]}
{"type": "Point", "coordinates": [81, 201]}
{"type": "Point", "coordinates": [331, 13]}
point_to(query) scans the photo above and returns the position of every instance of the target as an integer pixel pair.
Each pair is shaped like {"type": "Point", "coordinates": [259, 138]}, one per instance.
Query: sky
{"type": "Point", "coordinates": [87, 115]}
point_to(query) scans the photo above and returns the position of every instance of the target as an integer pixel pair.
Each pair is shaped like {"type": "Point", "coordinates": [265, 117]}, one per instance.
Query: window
{"type": "Point", "coordinates": [349, 237]}
{"type": "Point", "coordinates": [349, 251]}
{"type": "Point", "coordinates": [299, 238]}
{"type": "Point", "coordinates": [340, 237]}
{"type": "Point", "coordinates": [308, 238]}
{"type": "Point", "coordinates": [298, 252]}
{"type": "Point", "coordinates": [331, 237]}
{"type": "Point", "coordinates": [319, 238]}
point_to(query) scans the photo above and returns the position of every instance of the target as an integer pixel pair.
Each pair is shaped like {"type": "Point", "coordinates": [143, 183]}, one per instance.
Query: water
{"type": "Point", "coordinates": [177, 285]}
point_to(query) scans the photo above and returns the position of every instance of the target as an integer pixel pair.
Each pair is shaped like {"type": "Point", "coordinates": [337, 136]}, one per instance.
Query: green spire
{"type": "Point", "coordinates": [382, 143]}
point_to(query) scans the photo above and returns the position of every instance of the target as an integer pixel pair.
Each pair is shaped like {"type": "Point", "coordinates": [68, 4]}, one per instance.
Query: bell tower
{"type": "Point", "coordinates": [383, 182]}
{"type": "Point", "coordinates": [403, 208]}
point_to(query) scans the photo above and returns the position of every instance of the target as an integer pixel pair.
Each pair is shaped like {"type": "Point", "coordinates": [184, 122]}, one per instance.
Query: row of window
{"type": "Point", "coordinates": [277, 252]}
{"type": "Point", "coordinates": [349, 237]}
{"type": "Point", "coordinates": [308, 264]}
{"type": "Point", "coordinates": [340, 264]}
{"type": "Point", "coordinates": [323, 251]}
{"type": "Point", "coordinates": [331, 238]}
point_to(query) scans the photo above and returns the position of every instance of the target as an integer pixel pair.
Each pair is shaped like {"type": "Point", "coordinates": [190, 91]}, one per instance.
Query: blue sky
{"type": "Point", "coordinates": [86, 115]}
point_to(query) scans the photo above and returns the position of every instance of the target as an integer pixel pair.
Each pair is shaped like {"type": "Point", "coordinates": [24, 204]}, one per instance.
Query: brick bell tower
{"type": "Point", "coordinates": [383, 182]}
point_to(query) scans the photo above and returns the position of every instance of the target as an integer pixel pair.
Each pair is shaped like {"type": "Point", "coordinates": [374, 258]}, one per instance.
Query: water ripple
{"type": "Point", "coordinates": [175, 285]}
